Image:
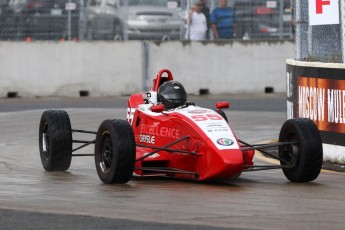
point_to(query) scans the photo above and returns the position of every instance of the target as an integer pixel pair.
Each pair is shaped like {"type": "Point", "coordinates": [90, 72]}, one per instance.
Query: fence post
{"type": "Point", "coordinates": [145, 66]}
{"type": "Point", "coordinates": [81, 21]}
{"type": "Point", "coordinates": [69, 21]}
{"type": "Point", "coordinates": [342, 29]}
{"type": "Point", "coordinates": [125, 20]}
{"type": "Point", "coordinates": [298, 40]}
{"type": "Point", "coordinates": [281, 19]}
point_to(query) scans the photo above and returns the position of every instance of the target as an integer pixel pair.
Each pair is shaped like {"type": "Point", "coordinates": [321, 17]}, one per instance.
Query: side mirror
{"type": "Point", "coordinates": [157, 108]}
{"type": "Point", "coordinates": [222, 105]}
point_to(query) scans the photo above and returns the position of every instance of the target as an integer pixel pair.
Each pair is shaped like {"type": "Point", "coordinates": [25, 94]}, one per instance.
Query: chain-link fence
{"type": "Point", "coordinates": [256, 19]}
{"type": "Point", "coordinates": [142, 19]}
{"type": "Point", "coordinates": [316, 42]}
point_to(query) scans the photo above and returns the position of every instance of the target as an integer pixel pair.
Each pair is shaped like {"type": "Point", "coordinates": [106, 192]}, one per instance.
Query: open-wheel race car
{"type": "Point", "coordinates": [166, 135]}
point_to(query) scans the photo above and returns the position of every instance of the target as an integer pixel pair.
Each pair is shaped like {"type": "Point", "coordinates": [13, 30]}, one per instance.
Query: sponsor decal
{"type": "Point", "coordinates": [323, 101]}
{"type": "Point", "coordinates": [152, 156]}
{"type": "Point", "coordinates": [147, 139]}
{"type": "Point", "coordinates": [130, 114]}
{"type": "Point", "coordinates": [216, 128]}
{"type": "Point", "coordinates": [225, 141]}
{"type": "Point", "coordinates": [289, 95]}
{"type": "Point", "coordinates": [146, 97]}
{"type": "Point", "coordinates": [160, 131]}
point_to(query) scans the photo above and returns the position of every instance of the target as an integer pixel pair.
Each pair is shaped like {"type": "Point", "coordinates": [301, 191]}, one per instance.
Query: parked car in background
{"type": "Point", "coordinates": [103, 20]}
{"type": "Point", "coordinates": [153, 19]}
{"type": "Point", "coordinates": [132, 19]}
{"type": "Point", "coordinates": [46, 19]}
{"type": "Point", "coordinates": [263, 19]}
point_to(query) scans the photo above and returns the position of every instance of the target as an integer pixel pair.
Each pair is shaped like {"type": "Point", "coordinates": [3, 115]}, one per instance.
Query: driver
{"type": "Point", "coordinates": [171, 94]}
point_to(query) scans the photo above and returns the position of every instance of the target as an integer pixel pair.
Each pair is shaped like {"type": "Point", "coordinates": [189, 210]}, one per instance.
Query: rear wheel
{"type": "Point", "coordinates": [115, 151]}
{"type": "Point", "coordinates": [302, 161]}
{"type": "Point", "coordinates": [55, 140]}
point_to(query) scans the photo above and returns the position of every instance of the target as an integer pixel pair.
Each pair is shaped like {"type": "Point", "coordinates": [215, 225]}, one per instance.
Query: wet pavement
{"type": "Point", "coordinates": [31, 198]}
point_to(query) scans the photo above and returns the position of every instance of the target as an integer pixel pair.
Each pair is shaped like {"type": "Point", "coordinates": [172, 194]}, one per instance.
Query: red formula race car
{"type": "Point", "coordinates": [165, 134]}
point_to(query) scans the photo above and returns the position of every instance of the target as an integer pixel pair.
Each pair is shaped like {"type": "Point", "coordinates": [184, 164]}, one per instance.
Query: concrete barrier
{"type": "Point", "coordinates": [63, 69]}
{"type": "Point", "coordinates": [224, 67]}
{"type": "Point", "coordinates": [116, 68]}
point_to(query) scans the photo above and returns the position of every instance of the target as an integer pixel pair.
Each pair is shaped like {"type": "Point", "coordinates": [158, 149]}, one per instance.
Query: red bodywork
{"type": "Point", "coordinates": [189, 142]}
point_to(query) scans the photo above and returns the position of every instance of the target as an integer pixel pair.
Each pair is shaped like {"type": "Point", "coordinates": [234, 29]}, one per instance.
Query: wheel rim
{"type": "Point", "coordinates": [289, 153]}
{"type": "Point", "coordinates": [45, 140]}
{"type": "Point", "coordinates": [106, 153]}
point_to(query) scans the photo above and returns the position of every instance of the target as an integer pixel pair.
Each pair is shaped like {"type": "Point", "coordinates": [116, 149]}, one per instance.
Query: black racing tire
{"type": "Point", "coordinates": [55, 140]}
{"type": "Point", "coordinates": [115, 151]}
{"type": "Point", "coordinates": [306, 156]}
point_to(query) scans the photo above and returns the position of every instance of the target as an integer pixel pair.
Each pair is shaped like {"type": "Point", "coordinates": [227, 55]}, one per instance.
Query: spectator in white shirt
{"type": "Point", "coordinates": [197, 23]}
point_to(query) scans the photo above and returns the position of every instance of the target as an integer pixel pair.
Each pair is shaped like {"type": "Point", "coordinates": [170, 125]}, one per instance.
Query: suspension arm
{"type": "Point", "coordinates": [261, 167]}
{"type": "Point", "coordinates": [83, 131]}
{"type": "Point", "coordinates": [83, 155]}
{"type": "Point", "coordinates": [165, 146]}
{"type": "Point", "coordinates": [165, 170]}
{"type": "Point", "coordinates": [261, 147]}
{"type": "Point", "coordinates": [249, 168]}
{"type": "Point", "coordinates": [84, 145]}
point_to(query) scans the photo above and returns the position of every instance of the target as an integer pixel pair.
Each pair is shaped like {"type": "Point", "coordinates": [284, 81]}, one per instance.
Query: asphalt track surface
{"type": "Point", "coordinates": [31, 198]}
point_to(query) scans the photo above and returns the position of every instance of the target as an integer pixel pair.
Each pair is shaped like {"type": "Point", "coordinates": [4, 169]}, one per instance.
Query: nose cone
{"type": "Point", "coordinates": [221, 164]}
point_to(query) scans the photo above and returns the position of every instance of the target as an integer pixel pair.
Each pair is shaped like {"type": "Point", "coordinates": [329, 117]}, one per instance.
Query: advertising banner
{"type": "Point", "coordinates": [318, 94]}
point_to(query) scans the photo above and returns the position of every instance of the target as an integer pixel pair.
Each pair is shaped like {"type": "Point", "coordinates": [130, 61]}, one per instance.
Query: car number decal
{"type": "Point", "coordinates": [213, 125]}
{"type": "Point", "coordinates": [205, 117]}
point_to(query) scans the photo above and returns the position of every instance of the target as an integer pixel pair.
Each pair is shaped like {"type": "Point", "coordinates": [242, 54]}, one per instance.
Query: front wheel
{"type": "Point", "coordinates": [301, 161]}
{"type": "Point", "coordinates": [55, 140]}
{"type": "Point", "coordinates": [115, 151]}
